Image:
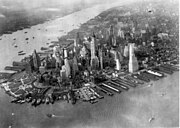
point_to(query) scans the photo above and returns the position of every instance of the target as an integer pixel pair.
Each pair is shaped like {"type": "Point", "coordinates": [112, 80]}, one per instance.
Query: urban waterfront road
{"type": "Point", "coordinates": [144, 106]}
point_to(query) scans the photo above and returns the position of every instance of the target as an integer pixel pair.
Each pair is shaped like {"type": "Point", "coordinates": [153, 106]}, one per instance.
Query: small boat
{"type": "Point", "coordinates": [43, 48]}
{"type": "Point", "coordinates": [47, 100]}
{"type": "Point", "coordinates": [15, 100]}
{"type": "Point", "coordinates": [20, 54]}
{"type": "Point", "coordinates": [20, 51]}
{"type": "Point", "coordinates": [43, 101]}
{"type": "Point", "coordinates": [38, 102]}
{"type": "Point", "coordinates": [33, 102]}
{"type": "Point", "coordinates": [50, 115]}
{"type": "Point", "coordinates": [28, 100]}
{"type": "Point", "coordinates": [22, 101]}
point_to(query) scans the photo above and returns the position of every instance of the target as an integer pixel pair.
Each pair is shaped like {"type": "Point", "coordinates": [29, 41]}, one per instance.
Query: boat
{"type": "Point", "coordinates": [20, 51]}
{"type": "Point", "coordinates": [149, 76]}
{"type": "Point", "coordinates": [20, 54]}
{"type": "Point", "coordinates": [47, 100]}
{"type": "Point", "coordinates": [38, 102]}
{"type": "Point", "coordinates": [50, 115]}
{"type": "Point", "coordinates": [33, 102]}
{"type": "Point", "coordinates": [43, 100]}
{"type": "Point", "coordinates": [43, 48]}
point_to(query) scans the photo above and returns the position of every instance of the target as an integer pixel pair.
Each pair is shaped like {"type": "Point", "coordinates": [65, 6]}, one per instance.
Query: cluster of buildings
{"type": "Point", "coordinates": [91, 62]}
{"type": "Point", "coordinates": [87, 55]}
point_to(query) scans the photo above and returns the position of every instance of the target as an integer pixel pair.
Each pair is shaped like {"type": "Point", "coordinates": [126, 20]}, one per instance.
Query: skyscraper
{"type": "Point", "coordinates": [66, 63]}
{"type": "Point", "coordinates": [118, 65]}
{"type": "Point", "coordinates": [75, 68]}
{"type": "Point", "coordinates": [101, 58]}
{"type": "Point", "coordinates": [133, 63]}
{"type": "Point", "coordinates": [75, 46]}
{"type": "Point", "coordinates": [121, 33]}
{"type": "Point", "coordinates": [36, 60]}
{"type": "Point", "coordinates": [126, 51]}
{"type": "Point", "coordinates": [112, 38]}
{"type": "Point", "coordinates": [94, 58]}
{"type": "Point", "coordinates": [78, 39]}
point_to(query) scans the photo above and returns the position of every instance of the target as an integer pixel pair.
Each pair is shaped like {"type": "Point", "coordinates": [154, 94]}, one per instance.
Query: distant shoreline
{"type": "Point", "coordinates": [34, 23]}
{"type": "Point", "coordinates": [38, 37]}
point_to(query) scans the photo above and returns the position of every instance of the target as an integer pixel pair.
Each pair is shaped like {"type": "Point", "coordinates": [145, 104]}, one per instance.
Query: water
{"type": "Point", "coordinates": [44, 33]}
{"type": "Point", "coordinates": [133, 108]}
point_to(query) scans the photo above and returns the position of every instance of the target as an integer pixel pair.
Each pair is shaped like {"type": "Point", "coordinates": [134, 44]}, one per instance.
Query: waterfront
{"type": "Point", "coordinates": [42, 38]}
{"type": "Point", "coordinates": [149, 105]}
{"type": "Point", "coordinates": [133, 108]}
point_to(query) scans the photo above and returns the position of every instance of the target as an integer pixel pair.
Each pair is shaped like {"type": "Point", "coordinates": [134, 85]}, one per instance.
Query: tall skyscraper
{"type": "Point", "coordinates": [66, 63]}
{"type": "Point", "coordinates": [63, 73]}
{"type": "Point", "coordinates": [83, 51]}
{"type": "Point", "coordinates": [126, 51]}
{"type": "Point", "coordinates": [75, 68]}
{"type": "Point", "coordinates": [94, 58]}
{"type": "Point", "coordinates": [121, 33]}
{"type": "Point", "coordinates": [101, 58]}
{"type": "Point", "coordinates": [118, 65]}
{"type": "Point", "coordinates": [78, 39]}
{"type": "Point", "coordinates": [75, 46]}
{"type": "Point", "coordinates": [111, 30]}
{"type": "Point", "coordinates": [36, 60]}
{"type": "Point", "coordinates": [112, 38]}
{"type": "Point", "coordinates": [133, 63]}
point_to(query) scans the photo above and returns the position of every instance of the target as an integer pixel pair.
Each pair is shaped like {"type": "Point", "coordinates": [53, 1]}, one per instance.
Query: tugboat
{"type": "Point", "coordinates": [50, 115]}
{"type": "Point", "coordinates": [20, 53]}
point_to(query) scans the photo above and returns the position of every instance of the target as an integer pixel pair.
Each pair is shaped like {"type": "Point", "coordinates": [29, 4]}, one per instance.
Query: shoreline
{"type": "Point", "coordinates": [42, 34]}
{"type": "Point", "coordinates": [126, 109]}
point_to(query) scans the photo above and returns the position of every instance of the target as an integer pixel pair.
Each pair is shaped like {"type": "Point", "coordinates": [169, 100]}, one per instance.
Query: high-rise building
{"type": "Point", "coordinates": [63, 73]}
{"type": "Point", "coordinates": [83, 51]}
{"type": "Point", "coordinates": [133, 63]}
{"type": "Point", "coordinates": [75, 68]}
{"type": "Point", "coordinates": [36, 60]}
{"type": "Point", "coordinates": [121, 33]}
{"type": "Point", "coordinates": [57, 56]}
{"type": "Point", "coordinates": [66, 63]}
{"type": "Point", "coordinates": [75, 46]}
{"type": "Point", "coordinates": [111, 30]}
{"type": "Point", "coordinates": [78, 39]}
{"type": "Point", "coordinates": [94, 58]}
{"type": "Point", "coordinates": [118, 65]}
{"type": "Point", "coordinates": [101, 58]}
{"type": "Point", "coordinates": [112, 38]}
{"type": "Point", "coordinates": [126, 51]}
